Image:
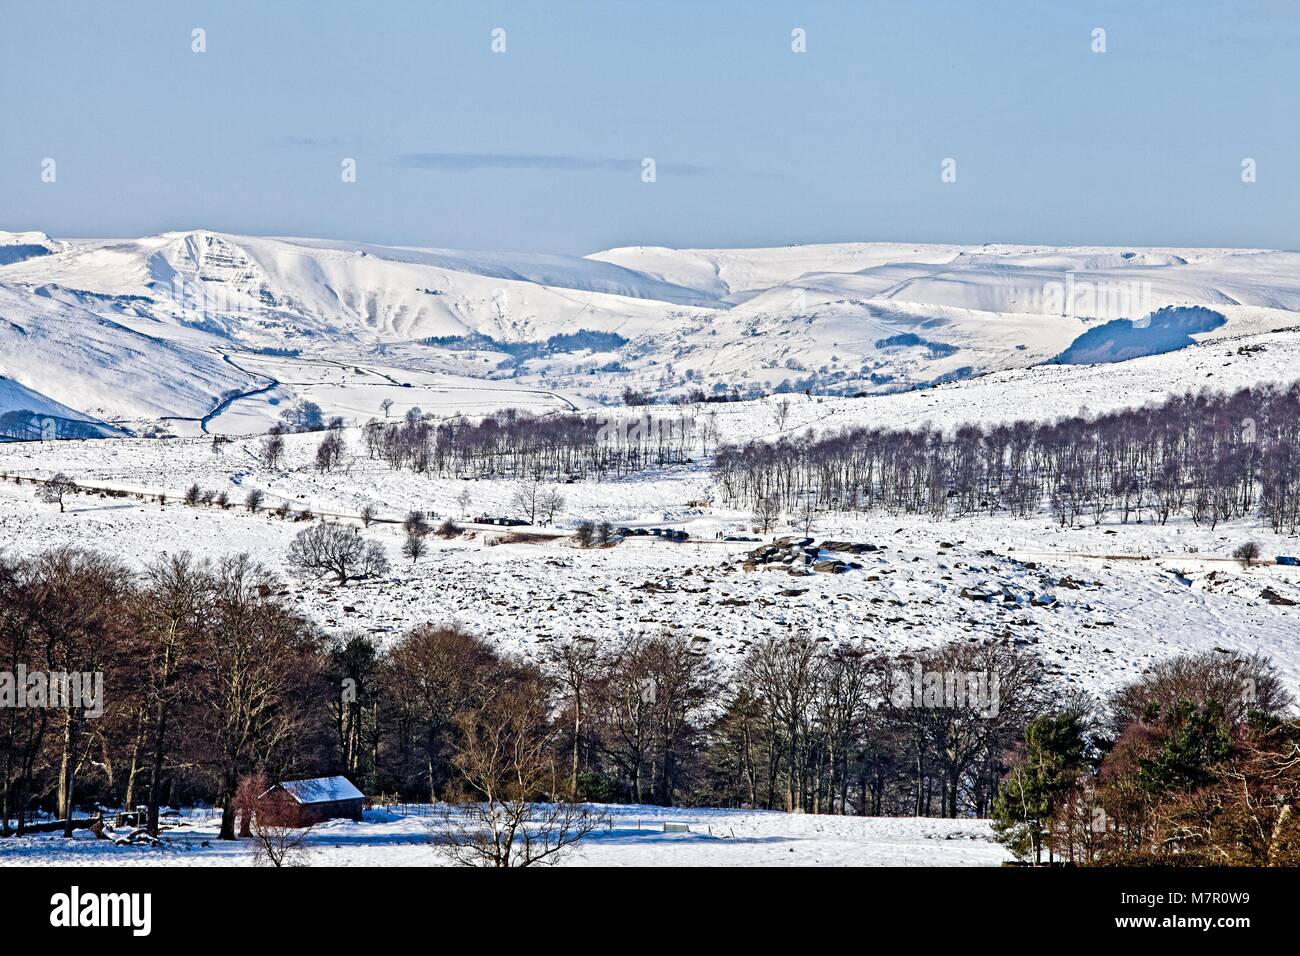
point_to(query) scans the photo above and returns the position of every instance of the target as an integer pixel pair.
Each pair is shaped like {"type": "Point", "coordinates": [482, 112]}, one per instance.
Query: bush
{"type": "Point", "coordinates": [1132, 858]}
{"type": "Point", "coordinates": [597, 788]}
{"type": "Point", "coordinates": [416, 524]}
{"type": "Point", "coordinates": [1246, 553]}
{"type": "Point", "coordinates": [449, 529]}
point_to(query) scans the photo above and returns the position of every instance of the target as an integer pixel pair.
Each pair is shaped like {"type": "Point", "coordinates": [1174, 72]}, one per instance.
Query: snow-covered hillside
{"type": "Point", "coordinates": [1116, 586]}
{"type": "Point", "coordinates": [88, 360]}
{"type": "Point", "coordinates": [25, 415]}
{"type": "Point", "coordinates": [199, 326]}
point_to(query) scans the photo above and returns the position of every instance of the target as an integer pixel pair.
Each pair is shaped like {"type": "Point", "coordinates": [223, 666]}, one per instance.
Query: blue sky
{"type": "Point", "coordinates": [540, 148]}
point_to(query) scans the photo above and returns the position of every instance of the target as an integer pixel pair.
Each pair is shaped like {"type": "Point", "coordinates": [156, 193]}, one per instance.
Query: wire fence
{"type": "Point", "coordinates": [466, 813]}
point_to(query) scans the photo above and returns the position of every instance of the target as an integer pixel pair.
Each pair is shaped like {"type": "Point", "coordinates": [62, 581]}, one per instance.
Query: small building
{"type": "Point", "coordinates": [302, 803]}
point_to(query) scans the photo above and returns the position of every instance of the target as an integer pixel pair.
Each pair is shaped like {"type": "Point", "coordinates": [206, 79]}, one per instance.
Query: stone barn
{"type": "Point", "coordinates": [302, 803]}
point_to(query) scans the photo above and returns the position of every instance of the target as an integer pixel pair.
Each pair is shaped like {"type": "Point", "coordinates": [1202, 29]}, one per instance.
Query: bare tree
{"type": "Point", "coordinates": [416, 524]}
{"type": "Point", "coordinates": [77, 608]}
{"type": "Point", "coordinates": [575, 665]}
{"type": "Point", "coordinates": [253, 500]}
{"type": "Point", "coordinates": [55, 490]}
{"type": "Point", "coordinates": [781, 413]}
{"type": "Point", "coordinates": [278, 844]}
{"type": "Point", "coordinates": [767, 511]}
{"type": "Point", "coordinates": [247, 795]}
{"type": "Point", "coordinates": [329, 453]}
{"type": "Point", "coordinates": [257, 664]}
{"type": "Point", "coordinates": [303, 416]}
{"type": "Point", "coordinates": [432, 674]}
{"type": "Point", "coordinates": [175, 609]}
{"type": "Point", "coordinates": [331, 549]}
{"type": "Point", "coordinates": [549, 503]}
{"type": "Point", "coordinates": [806, 514]}
{"type": "Point", "coordinates": [271, 451]}
{"type": "Point", "coordinates": [506, 758]}
{"type": "Point", "coordinates": [526, 500]}
{"type": "Point", "coordinates": [368, 512]}
{"type": "Point", "coordinates": [386, 405]}
{"type": "Point", "coordinates": [709, 430]}
{"type": "Point", "coordinates": [414, 547]}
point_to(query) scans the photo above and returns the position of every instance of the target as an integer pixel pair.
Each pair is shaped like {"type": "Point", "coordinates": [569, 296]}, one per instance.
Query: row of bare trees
{"type": "Point", "coordinates": [624, 721]}
{"type": "Point", "coordinates": [837, 729]}
{"type": "Point", "coordinates": [800, 726]}
{"type": "Point", "coordinates": [515, 443]}
{"type": "Point", "coordinates": [1210, 456]}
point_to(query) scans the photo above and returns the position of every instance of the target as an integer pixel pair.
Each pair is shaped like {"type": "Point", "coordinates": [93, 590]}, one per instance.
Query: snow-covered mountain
{"type": "Point", "coordinates": [192, 325]}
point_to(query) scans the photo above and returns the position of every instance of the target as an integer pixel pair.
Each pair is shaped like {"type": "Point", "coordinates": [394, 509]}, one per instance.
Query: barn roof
{"type": "Point", "coordinates": [321, 790]}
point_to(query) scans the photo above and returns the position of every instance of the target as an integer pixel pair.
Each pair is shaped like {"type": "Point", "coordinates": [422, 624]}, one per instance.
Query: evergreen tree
{"type": "Point", "coordinates": [1029, 795]}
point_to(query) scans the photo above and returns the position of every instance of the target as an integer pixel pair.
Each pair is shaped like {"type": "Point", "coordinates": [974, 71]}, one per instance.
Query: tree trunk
{"type": "Point", "coordinates": [229, 785]}
{"type": "Point", "coordinates": [67, 773]}
{"type": "Point", "coordinates": [227, 822]}
{"type": "Point", "coordinates": [156, 767]}
{"type": "Point", "coordinates": [577, 728]}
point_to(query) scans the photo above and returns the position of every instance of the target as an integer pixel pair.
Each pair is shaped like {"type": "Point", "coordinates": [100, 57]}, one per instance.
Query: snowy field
{"type": "Point", "coordinates": [1098, 603]}
{"type": "Point", "coordinates": [632, 836]}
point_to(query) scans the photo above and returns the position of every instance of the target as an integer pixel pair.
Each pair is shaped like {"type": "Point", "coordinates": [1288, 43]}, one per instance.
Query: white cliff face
{"type": "Point", "coordinates": [20, 246]}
